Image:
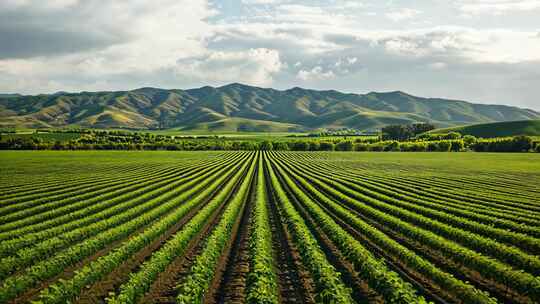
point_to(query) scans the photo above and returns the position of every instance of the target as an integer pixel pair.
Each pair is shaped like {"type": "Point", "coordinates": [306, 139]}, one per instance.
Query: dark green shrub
{"type": "Point", "coordinates": [314, 146]}
{"type": "Point", "coordinates": [378, 147]}
{"type": "Point", "coordinates": [361, 147]}
{"type": "Point", "coordinates": [522, 143]}
{"type": "Point", "coordinates": [281, 146]}
{"type": "Point", "coordinates": [457, 145]}
{"type": "Point", "coordinates": [453, 135]}
{"type": "Point", "coordinates": [266, 145]}
{"type": "Point", "coordinates": [433, 146]}
{"type": "Point", "coordinates": [299, 146]}
{"type": "Point", "coordinates": [469, 140]}
{"type": "Point", "coordinates": [344, 146]}
{"type": "Point", "coordinates": [326, 146]}
{"type": "Point", "coordinates": [419, 147]}
{"type": "Point", "coordinates": [445, 146]}
{"type": "Point", "coordinates": [392, 146]}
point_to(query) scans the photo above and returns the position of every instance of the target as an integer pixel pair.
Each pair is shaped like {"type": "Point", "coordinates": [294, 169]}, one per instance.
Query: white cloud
{"type": "Point", "coordinates": [302, 13]}
{"type": "Point", "coordinates": [344, 63]}
{"type": "Point", "coordinates": [316, 73]}
{"type": "Point", "coordinates": [496, 7]}
{"type": "Point", "coordinates": [140, 39]}
{"type": "Point", "coordinates": [293, 13]}
{"type": "Point", "coordinates": [496, 46]}
{"type": "Point", "coordinates": [349, 5]}
{"type": "Point", "coordinates": [309, 42]}
{"type": "Point", "coordinates": [254, 66]}
{"type": "Point", "coordinates": [258, 2]}
{"type": "Point", "coordinates": [337, 44]}
{"type": "Point", "coordinates": [400, 46]}
{"type": "Point", "coordinates": [437, 65]}
{"type": "Point", "coordinates": [403, 14]}
{"type": "Point", "coordinates": [37, 4]}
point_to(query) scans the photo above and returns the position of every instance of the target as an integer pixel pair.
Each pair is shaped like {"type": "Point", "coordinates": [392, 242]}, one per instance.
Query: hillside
{"type": "Point", "coordinates": [243, 107]}
{"type": "Point", "coordinates": [498, 129]}
{"type": "Point", "coordinates": [9, 95]}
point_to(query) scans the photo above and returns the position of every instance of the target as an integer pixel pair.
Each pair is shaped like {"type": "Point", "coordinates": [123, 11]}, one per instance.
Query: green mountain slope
{"type": "Point", "coordinates": [245, 125]}
{"type": "Point", "coordinates": [497, 129]}
{"type": "Point", "coordinates": [244, 108]}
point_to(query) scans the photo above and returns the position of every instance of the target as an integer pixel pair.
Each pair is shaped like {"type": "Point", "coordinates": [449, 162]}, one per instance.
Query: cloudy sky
{"type": "Point", "coordinates": [485, 51]}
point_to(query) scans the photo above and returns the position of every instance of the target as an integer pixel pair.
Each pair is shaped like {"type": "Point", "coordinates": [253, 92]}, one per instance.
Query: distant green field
{"type": "Point", "coordinates": [201, 134]}
{"type": "Point", "coordinates": [237, 124]}
{"type": "Point", "coordinates": [499, 129]}
{"type": "Point", "coordinates": [235, 134]}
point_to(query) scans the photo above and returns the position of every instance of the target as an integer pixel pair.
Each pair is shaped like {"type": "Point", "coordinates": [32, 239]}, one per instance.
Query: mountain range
{"type": "Point", "coordinates": [238, 107]}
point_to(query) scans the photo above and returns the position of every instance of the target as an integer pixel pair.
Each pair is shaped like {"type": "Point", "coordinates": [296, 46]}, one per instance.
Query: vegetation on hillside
{"type": "Point", "coordinates": [237, 107]}
{"type": "Point", "coordinates": [405, 132]}
{"type": "Point", "coordinates": [498, 129]}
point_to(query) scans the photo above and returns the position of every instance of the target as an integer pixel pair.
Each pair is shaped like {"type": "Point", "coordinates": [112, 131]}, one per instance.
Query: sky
{"type": "Point", "coordinates": [484, 51]}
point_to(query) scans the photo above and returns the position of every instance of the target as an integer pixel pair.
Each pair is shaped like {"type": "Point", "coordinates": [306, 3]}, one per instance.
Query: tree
{"type": "Point", "coordinates": [405, 132]}
{"type": "Point", "coordinates": [326, 146]}
{"type": "Point", "coordinates": [378, 147]}
{"type": "Point", "coordinates": [469, 140]}
{"type": "Point", "coordinates": [361, 147]}
{"type": "Point", "coordinates": [344, 146]}
{"type": "Point", "coordinates": [453, 135]}
{"type": "Point", "coordinates": [433, 146]}
{"type": "Point", "coordinates": [251, 145]}
{"type": "Point", "coordinates": [314, 146]}
{"type": "Point", "coordinates": [457, 145]}
{"type": "Point", "coordinates": [420, 128]}
{"type": "Point", "coordinates": [266, 146]}
{"type": "Point", "coordinates": [299, 146]}
{"type": "Point", "coordinates": [280, 145]}
{"type": "Point", "coordinates": [522, 144]}
{"type": "Point", "coordinates": [396, 132]}
{"type": "Point", "coordinates": [392, 146]}
{"type": "Point", "coordinates": [445, 146]}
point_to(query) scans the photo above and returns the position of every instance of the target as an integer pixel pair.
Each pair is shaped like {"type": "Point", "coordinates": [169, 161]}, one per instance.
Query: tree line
{"type": "Point", "coordinates": [413, 142]}
{"type": "Point", "coordinates": [514, 144]}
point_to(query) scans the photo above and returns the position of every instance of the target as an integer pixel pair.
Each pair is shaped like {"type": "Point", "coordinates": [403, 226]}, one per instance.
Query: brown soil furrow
{"type": "Point", "coordinates": [232, 286]}
{"type": "Point", "coordinates": [69, 272]}
{"type": "Point", "coordinates": [423, 284]}
{"type": "Point", "coordinates": [294, 282]}
{"type": "Point", "coordinates": [163, 290]}
{"type": "Point", "coordinates": [459, 271]}
{"type": "Point", "coordinates": [99, 291]}
{"type": "Point", "coordinates": [360, 290]}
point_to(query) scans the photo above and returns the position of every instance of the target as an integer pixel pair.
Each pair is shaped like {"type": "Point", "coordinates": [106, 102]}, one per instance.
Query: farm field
{"type": "Point", "coordinates": [269, 227]}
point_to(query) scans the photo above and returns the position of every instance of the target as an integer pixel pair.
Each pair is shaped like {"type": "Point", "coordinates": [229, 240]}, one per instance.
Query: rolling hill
{"type": "Point", "coordinates": [241, 107]}
{"type": "Point", "coordinates": [497, 129]}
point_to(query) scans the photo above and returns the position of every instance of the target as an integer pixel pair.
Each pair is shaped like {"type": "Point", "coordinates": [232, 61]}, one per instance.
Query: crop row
{"type": "Point", "coordinates": [123, 208]}
{"type": "Point", "coordinates": [395, 218]}
{"type": "Point", "coordinates": [350, 231]}
{"type": "Point", "coordinates": [142, 215]}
